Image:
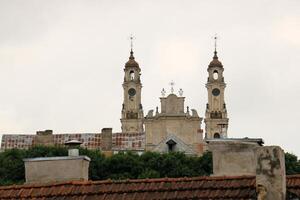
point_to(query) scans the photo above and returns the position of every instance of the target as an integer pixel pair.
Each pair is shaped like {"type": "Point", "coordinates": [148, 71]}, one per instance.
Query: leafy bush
{"type": "Point", "coordinates": [122, 165]}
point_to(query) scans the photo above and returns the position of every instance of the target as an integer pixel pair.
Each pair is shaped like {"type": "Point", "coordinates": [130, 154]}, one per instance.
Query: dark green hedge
{"type": "Point", "coordinates": [121, 166]}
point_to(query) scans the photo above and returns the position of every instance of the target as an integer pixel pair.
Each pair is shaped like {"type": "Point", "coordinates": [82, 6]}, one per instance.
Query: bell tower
{"type": "Point", "coordinates": [132, 109]}
{"type": "Point", "coordinates": [216, 120]}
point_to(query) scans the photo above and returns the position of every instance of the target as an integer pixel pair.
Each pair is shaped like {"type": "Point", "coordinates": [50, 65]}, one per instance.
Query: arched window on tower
{"type": "Point", "coordinates": [217, 135]}
{"type": "Point", "coordinates": [131, 75]}
{"type": "Point", "coordinates": [215, 75]}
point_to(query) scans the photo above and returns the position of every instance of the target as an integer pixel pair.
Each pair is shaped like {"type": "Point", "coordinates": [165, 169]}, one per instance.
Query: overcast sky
{"type": "Point", "coordinates": [61, 62]}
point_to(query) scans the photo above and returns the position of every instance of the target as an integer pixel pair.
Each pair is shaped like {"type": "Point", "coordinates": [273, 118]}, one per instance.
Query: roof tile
{"type": "Point", "coordinates": [240, 187]}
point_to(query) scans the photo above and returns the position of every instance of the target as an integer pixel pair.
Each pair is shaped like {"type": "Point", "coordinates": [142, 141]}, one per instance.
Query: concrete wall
{"type": "Point", "coordinates": [172, 104]}
{"type": "Point", "coordinates": [185, 129]}
{"type": "Point", "coordinates": [56, 169]}
{"type": "Point", "coordinates": [233, 158]}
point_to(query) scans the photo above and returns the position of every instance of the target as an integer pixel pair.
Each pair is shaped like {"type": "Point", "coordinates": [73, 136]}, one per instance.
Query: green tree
{"type": "Point", "coordinates": [122, 165]}
{"type": "Point", "coordinates": [97, 168]}
{"type": "Point", "coordinates": [12, 166]}
{"type": "Point", "coordinates": [204, 165]}
{"type": "Point", "coordinates": [45, 151]}
{"type": "Point", "coordinates": [292, 164]}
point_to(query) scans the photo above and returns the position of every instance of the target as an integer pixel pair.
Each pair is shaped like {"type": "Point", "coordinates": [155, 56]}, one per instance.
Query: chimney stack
{"type": "Point", "coordinates": [44, 138]}
{"type": "Point", "coordinates": [106, 139]}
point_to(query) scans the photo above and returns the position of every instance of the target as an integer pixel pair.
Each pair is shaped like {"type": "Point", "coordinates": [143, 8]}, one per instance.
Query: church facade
{"type": "Point", "coordinates": [173, 127]}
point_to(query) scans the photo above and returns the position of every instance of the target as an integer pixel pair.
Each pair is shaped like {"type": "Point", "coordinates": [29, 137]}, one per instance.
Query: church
{"type": "Point", "coordinates": [170, 127]}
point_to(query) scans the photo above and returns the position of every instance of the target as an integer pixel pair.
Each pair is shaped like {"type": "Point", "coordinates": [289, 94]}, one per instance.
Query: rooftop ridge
{"type": "Point", "coordinates": [195, 186]}
{"type": "Point", "coordinates": [110, 181]}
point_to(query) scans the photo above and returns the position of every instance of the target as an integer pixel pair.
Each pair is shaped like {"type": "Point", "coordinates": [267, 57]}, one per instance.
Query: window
{"type": "Point", "coordinates": [131, 74]}
{"type": "Point", "coordinates": [215, 75]}
{"type": "Point", "coordinates": [171, 145]}
{"type": "Point", "coordinates": [217, 135]}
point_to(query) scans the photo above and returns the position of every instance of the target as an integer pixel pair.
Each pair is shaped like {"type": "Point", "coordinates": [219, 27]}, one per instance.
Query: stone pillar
{"type": "Point", "coordinates": [106, 139]}
{"type": "Point", "coordinates": [270, 173]}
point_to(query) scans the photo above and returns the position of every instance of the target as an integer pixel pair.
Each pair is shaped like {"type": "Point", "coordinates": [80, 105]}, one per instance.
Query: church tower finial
{"type": "Point", "coordinates": [215, 52]}
{"type": "Point", "coordinates": [131, 46]}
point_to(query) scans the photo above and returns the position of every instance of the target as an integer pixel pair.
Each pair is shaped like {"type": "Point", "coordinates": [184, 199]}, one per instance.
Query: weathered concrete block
{"type": "Point", "coordinates": [56, 169]}
{"type": "Point", "coordinates": [233, 157]}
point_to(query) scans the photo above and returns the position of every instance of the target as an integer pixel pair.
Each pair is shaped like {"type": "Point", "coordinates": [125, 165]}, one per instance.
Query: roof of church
{"type": "Point", "coordinates": [131, 62]}
{"type": "Point", "coordinates": [238, 187]}
{"type": "Point", "coordinates": [215, 62]}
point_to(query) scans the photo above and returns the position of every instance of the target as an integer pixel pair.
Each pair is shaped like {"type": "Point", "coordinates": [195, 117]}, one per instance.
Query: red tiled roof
{"type": "Point", "coordinates": [89, 140]}
{"type": "Point", "coordinates": [120, 141]}
{"type": "Point", "coordinates": [239, 187]}
{"type": "Point", "coordinates": [128, 141]}
{"type": "Point", "coordinates": [242, 187]}
{"type": "Point", "coordinates": [293, 185]}
{"type": "Point", "coordinates": [16, 141]}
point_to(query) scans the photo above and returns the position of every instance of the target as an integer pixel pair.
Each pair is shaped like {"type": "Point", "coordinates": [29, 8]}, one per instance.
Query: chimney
{"type": "Point", "coordinates": [238, 157]}
{"type": "Point", "coordinates": [56, 169]}
{"type": "Point", "coordinates": [106, 139]}
{"type": "Point", "coordinates": [44, 138]}
{"type": "Point", "coordinates": [73, 146]}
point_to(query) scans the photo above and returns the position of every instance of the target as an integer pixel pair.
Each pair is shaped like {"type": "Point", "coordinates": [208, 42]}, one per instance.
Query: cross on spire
{"type": "Point", "coordinates": [215, 52]}
{"type": "Point", "coordinates": [215, 38]}
{"type": "Point", "coordinates": [131, 42]}
{"type": "Point", "coordinates": [131, 37]}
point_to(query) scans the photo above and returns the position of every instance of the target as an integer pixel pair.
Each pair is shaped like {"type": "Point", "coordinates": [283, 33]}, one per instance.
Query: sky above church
{"type": "Point", "coordinates": [61, 62]}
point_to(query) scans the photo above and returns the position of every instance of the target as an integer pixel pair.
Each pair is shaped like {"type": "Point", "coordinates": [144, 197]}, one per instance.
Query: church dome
{"type": "Point", "coordinates": [215, 62]}
{"type": "Point", "coordinates": [131, 62]}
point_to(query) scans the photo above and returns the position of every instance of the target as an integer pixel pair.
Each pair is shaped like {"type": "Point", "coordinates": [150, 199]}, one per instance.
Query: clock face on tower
{"type": "Point", "coordinates": [216, 92]}
{"type": "Point", "coordinates": [131, 92]}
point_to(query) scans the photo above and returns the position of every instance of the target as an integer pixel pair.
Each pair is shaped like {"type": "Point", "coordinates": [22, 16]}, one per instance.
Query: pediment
{"type": "Point", "coordinates": [179, 145]}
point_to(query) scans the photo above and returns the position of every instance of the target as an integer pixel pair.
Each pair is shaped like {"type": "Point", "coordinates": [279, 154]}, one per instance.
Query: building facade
{"type": "Point", "coordinates": [173, 128]}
